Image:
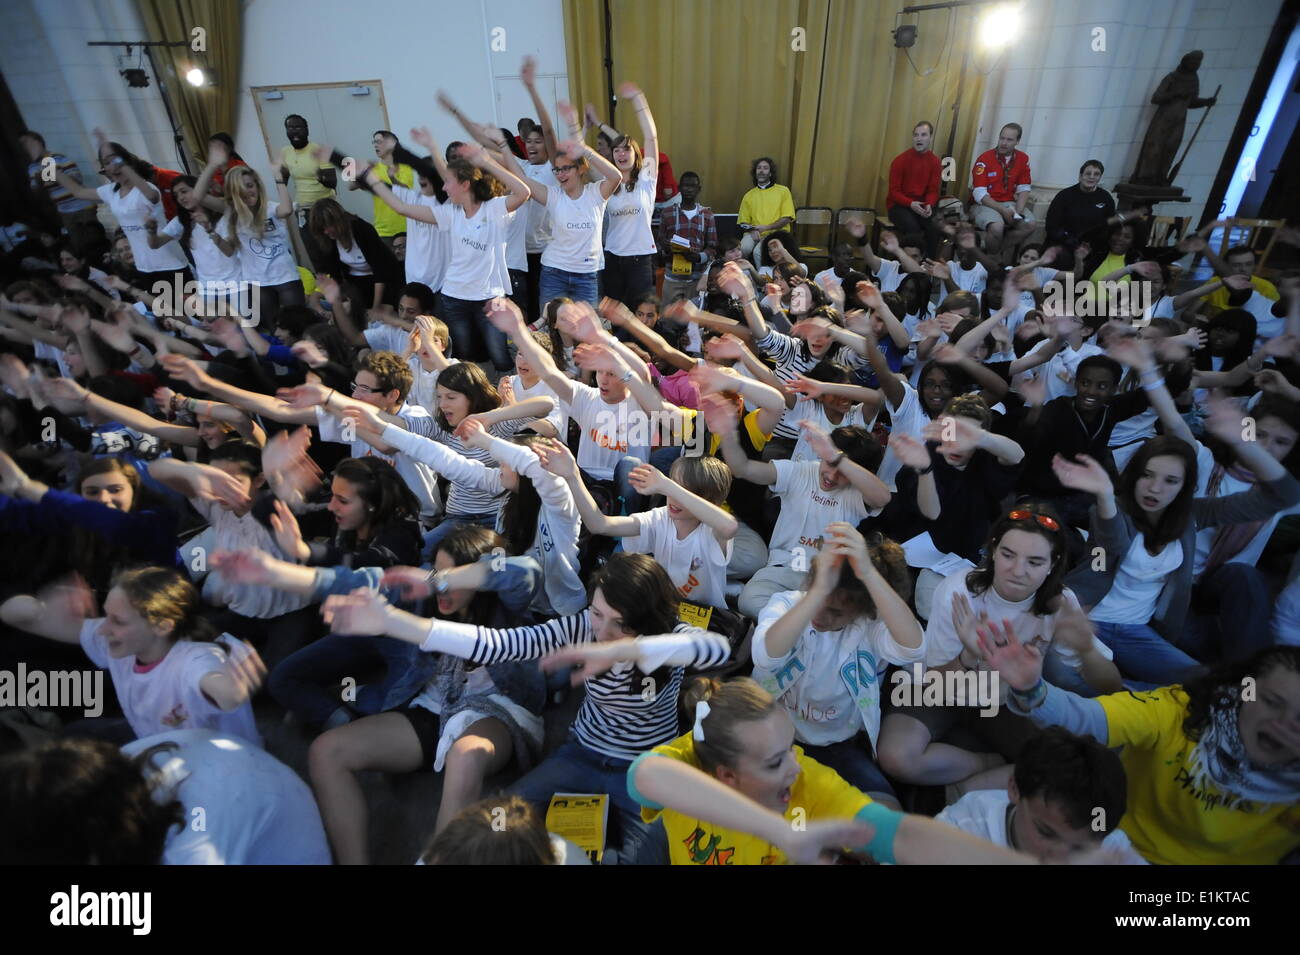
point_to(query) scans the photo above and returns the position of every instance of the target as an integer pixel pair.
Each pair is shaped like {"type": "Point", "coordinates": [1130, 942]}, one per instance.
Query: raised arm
{"type": "Point", "coordinates": [528, 73]}
{"type": "Point", "coordinates": [112, 411]}
{"type": "Point", "coordinates": [267, 406]}
{"type": "Point", "coordinates": [875, 494]}
{"type": "Point", "coordinates": [557, 459]}
{"type": "Point", "coordinates": [506, 318]}
{"type": "Point", "coordinates": [631, 93]}
{"type": "Point", "coordinates": [650, 480]}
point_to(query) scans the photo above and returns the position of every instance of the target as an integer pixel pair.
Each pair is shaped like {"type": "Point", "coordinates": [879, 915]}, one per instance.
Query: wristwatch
{"type": "Point", "coordinates": [627, 376]}
{"type": "Point", "coordinates": [438, 580]}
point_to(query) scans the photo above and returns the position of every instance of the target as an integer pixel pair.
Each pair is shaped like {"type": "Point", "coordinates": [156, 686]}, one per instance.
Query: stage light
{"type": "Point", "coordinates": [999, 27]}
{"type": "Point", "coordinates": [196, 77]}
{"type": "Point", "coordinates": [136, 78]}
{"type": "Point", "coordinates": [905, 36]}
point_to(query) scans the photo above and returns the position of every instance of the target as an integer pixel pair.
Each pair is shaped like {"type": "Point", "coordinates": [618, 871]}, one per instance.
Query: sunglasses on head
{"type": "Point", "coordinates": [1042, 519]}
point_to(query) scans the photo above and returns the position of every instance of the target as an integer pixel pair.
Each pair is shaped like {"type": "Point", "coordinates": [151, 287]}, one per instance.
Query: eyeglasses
{"type": "Point", "coordinates": [357, 386]}
{"type": "Point", "coordinates": [1042, 519]}
{"type": "Point", "coordinates": [559, 169]}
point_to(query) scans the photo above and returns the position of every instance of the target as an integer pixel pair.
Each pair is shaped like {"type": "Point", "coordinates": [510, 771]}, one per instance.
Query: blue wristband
{"type": "Point", "coordinates": [886, 822]}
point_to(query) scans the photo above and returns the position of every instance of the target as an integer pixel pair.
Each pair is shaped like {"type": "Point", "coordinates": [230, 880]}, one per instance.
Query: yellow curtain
{"type": "Point", "coordinates": [201, 111]}
{"type": "Point", "coordinates": [816, 84]}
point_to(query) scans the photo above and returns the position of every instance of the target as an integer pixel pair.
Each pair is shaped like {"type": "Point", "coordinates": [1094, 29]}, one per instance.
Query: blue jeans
{"type": "Point", "coordinates": [1230, 614]}
{"type": "Point", "coordinates": [306, 683]}
{"type": "Point", "coordinates": [575, 769]}
{"type": "Point", "coordinates": [851, 758]}
{"type": "Point", "coordinates": [579, 286]}
{"type": "Point", "coordinates": [432, 538]}
{"type": "Point", "coordinates": [472, 335]}
{"type": "Point", "coordinates": [633, 501]}
{"type": "Point", "coordinates": [1145, 658]}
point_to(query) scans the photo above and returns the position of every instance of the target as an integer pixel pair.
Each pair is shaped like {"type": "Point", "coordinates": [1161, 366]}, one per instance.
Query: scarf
{"type": "Point", "coordinates": [1220, 759]}
{"type": "Point", "coordinates": [1230, 539]}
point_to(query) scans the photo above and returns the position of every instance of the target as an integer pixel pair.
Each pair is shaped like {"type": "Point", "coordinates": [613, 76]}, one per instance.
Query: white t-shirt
{"type": "Point", "coordinates": [517, 241]}
{"type": "Point", "coordinates": [974, 280]}
{"type": "Point", "coordinates": [1267, 325]}
{"type": "Point", "coordinates": [983, 813]}
{"type": "Point", "coordinates": [255, 810]}
{"type": "Point", "coordinates": [942, 645]}
{"type": "Point", "coordinates": [1136, 587]}
{"type": "Point", "coordinates": [210, 263]}
{"type": "Point", "coordinates": [426, 246]}
{"type": "Point", "coordinates": [696, 564]}
{"type": "Point", "coordinates": [908, 418]}
{"type": "Point", "coordinates": [353, 259]}
{"type": "Point", "coordinates": [627, 215]}
{"type": "Point", "coordinates": [234, 533]}
{"type": "Point", "coordinates": [131, 211]}
{"type": "Point", "coordinates": [166, 696]}
{"type": "Point", "coordinates": [575, 230]}
{"type": "Point", "coordinates": [1058, 372]}
{"type": "Point", "coordinates": [806, 509]}
{"type": "Point", "coordinates": [890, 275]}
{"type": "Point", "coordinates": [558, 417]}
{"type": "Point", "coordinates": [828, 275]}
{"type": "Point", "coordinates": [476, 269]}
{"type": "Point", "coordinates": [381, 336]}
{"type": "Point", "coordinates": [810, 409]}
{"type": "Point", "coordinates": [830, 680]}
{"type": "Point", "coordinates": [418, 477]}
{"type": "Point", "coordinates": [539, 219]}
{"type": "Point", "coordinates": [607, 431]}
{"type": "Point", "coordinates": [267, 259]}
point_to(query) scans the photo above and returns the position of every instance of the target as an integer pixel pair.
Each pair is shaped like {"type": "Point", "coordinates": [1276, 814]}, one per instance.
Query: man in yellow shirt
{"type": "Point", "coordinates": [312, 179]}
{"type": "Point", "coordinates": [764, 209]}
{"type": "Point", "coordinates": [1238, 260]}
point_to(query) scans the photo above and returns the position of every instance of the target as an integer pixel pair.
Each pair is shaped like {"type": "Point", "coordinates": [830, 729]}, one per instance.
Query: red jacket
{"type": "Point", "coordinates": [914, 177]}
{"type": "Point", "coordinates": [999, 178]}
{"type": "Point", "coordinates": [666, 184]}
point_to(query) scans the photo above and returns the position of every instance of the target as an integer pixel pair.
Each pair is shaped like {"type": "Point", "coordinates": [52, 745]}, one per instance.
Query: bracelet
{"type": "Point", "coordinates": [1153, 385]}
{"type": "Point", "coordinates": [190, 404]}
{"type": "Point", "coordinates": [919, 473]}
{"type": "Point", "coordinates": [1033, 697]}
{"type": "Point", "coordinates": [136, 350]}
{"type": "Point", "coordinates": [328, 397]}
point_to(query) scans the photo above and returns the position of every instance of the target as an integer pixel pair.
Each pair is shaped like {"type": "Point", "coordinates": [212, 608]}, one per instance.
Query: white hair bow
{"type": "Point", "coordinates": [701, 711]}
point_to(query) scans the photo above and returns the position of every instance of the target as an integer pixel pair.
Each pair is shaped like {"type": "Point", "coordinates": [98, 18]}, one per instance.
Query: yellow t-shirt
{"type": "Point", "coordinates": [388, 221]}
{"type": "Point", "coordinates": [819, 792]}
{"type": "Point", "coordinates": [761, 206]}
{"type": "Point", "coordinates": [1172, 818]}
{"type": "Point", "coordinates": [756, 436]}
{"type": "Point", "coordinates": [1219, 297]}
{"type": "Point", "coordinates": [303, 167]}
{"type": "Point", "coordinates": [1111, 263]}
{"type": "Point", "coordinates": [308, 280]}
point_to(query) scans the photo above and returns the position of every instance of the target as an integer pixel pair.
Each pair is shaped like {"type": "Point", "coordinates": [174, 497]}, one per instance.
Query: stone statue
{"type": "Point", "coordinates": [1176, 94]}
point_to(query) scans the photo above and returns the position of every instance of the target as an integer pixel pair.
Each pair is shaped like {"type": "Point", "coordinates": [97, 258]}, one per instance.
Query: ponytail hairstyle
{"type": "Point", "coordinates": [465, 545]}
{"type": "Point", "coordinates": [161, 595]}
{"type": "Point", "coordinates": [731, 704]}
{"type": "Point", "coordinates": [387, 498]}
{"type": "Point", "coordinates": [480, 183]}
{"type": "Point", "coordinates": [250, 218]}
{"type": "Point", "coordinates": [522, 507]}
{"type": "Point", "coordinates": [468, 379]}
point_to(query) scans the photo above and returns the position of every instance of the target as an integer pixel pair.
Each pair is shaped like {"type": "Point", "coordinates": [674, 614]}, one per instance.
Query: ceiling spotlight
{"type": "Point", "coordinates": [196, 77]}
{"type": "Point", "coordinates": [905, 36]}
{"type": "Point", "coordinates": [136, 78]}
{"type": "Point", "coordinates": [1000, 26]}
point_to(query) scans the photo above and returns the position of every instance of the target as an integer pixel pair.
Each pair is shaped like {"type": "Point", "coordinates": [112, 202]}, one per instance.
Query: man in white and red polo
{"type": "Point", "coordinates": [1000, 184]}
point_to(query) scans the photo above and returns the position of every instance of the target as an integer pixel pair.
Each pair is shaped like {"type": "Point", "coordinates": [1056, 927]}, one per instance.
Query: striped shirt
{"type": "Point", "coordinates": [469, 498]}
{"type": "Point", "coordinates": [64, 200]}
{"type": "Point", "coordinates": [792, 358]}
{"type": "Point", "coordinates": [618, 718]}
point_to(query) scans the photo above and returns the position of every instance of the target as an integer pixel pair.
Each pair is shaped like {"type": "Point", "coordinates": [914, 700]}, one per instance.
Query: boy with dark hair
{"type": "Point", "coordinates": [1068, 795]}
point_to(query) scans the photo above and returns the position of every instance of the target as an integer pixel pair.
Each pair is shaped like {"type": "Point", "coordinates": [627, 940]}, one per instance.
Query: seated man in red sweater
{"type": "Point", "coordinates": [914, 192]}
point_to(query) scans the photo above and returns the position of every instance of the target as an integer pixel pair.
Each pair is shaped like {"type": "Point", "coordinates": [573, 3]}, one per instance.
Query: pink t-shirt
{"type": "Point", "coordinates": [677, 388]}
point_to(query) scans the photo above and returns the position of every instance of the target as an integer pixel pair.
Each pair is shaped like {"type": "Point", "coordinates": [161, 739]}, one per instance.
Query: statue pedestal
{"type": "Point", "coordinates": [1130, 195]}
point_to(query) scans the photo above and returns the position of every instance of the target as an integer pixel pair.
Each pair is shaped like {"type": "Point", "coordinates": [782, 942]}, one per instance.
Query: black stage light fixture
{"type": "Point", "coordinates": [905, 36]}
{"type": "Point", "coordinates": [136, 78]}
